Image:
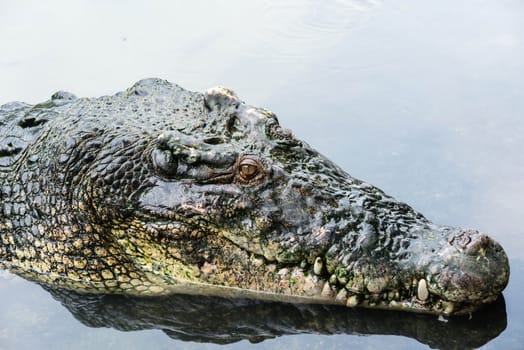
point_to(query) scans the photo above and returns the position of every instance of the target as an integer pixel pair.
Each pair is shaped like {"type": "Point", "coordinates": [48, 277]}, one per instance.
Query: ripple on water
{"type": "Point", "coordinates": [292, 29]}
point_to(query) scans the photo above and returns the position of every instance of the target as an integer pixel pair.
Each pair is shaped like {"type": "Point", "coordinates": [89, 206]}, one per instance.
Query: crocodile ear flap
{"type": "Point", "coordinates": [10, 149]}
{"type": "Point", "coordinates": [220, 98]}
{"type": "Point", "coordinates": [164, 162]}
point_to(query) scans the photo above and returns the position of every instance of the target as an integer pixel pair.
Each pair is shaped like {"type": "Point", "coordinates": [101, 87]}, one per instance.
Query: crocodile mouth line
{"type": "Point", "coordinates": [394, 300]}
{"type": "Point", "coordinates": [328, 289]}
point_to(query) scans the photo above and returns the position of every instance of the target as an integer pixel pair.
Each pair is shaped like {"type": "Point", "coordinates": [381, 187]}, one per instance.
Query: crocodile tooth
{"type": "Point", "coordinates": [303, 264]}
{"type": "Point", "coordinates": [422, 290]}
{"type": "Point", "coordinates": [333, 279]}
{"type": "Point", "coordinates": [342, 294]}
{"type": "Point", "coordinates": [392, 295]}
{"type": "Point", "coordinates": [352, 301]}
{"type": "Point", "coordinates": [342, 280]}
{"type": "Point", "coordinates": [317, 267]}
{"type": "Point", "coordinates": [448, 307]}
{"type": "Point", "coordinates": [327, 291]}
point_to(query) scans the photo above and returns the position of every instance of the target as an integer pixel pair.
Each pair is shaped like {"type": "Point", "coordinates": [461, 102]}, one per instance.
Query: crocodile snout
{"type": "Point", "coordinates": [474, 268]}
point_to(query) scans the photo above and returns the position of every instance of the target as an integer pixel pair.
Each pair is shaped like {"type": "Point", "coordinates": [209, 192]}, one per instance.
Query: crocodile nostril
{"type": "Point", "coordinates": [463, 241]}
{"type": "Point", "coordinates": [469, 241]}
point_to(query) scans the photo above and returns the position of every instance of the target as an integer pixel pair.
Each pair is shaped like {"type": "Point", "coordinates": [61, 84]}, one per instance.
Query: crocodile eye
{"type": "Point", "coordinates": [248, 169]}
{"type": "Point", "coordinates": [164, 162]}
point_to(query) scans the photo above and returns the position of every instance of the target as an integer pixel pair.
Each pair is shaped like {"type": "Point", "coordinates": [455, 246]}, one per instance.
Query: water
{"type": "Point", "coordinates": [424, 100]}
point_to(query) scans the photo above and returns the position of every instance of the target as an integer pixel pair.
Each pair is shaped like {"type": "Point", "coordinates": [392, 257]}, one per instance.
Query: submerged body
{"type": "Point", "coordinates": [158, 190]}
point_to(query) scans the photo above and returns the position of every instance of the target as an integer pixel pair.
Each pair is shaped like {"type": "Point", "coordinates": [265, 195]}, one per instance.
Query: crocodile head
{"type": "Point", "coordinates": [174, 191]}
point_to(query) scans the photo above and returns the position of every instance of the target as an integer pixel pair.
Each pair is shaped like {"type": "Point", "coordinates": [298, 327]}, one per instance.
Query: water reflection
{"type": "Point", "coordinates": [222, 321]}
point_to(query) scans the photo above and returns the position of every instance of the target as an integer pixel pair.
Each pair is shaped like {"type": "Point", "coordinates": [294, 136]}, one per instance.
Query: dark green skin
{"type": "Point", "coordinates": [159, 190]}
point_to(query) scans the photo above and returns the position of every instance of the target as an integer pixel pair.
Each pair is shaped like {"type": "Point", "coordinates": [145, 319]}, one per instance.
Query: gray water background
{"type": "Point", "coordinates": [423, 99]}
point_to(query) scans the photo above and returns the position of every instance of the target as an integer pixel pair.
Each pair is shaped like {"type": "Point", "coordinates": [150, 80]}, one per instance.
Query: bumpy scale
{"type": "Point", "coordinates": [160, 190]}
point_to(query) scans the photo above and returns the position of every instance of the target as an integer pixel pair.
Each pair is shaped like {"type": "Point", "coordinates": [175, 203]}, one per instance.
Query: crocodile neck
{"type": "Point", "coordinates": [20, 125]}
{"type": "Point", "coordinates": [7, 232]}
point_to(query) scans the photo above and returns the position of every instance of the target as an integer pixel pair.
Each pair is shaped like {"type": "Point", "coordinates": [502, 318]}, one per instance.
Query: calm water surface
{"type": "Point", "coordinates": [425, 100]}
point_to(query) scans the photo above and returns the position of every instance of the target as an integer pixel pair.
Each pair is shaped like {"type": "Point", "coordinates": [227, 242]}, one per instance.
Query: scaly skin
{"type": "Point", "coordinates": [159, 190]}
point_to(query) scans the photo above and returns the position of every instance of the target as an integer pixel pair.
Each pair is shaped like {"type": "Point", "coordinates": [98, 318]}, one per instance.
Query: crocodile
{"type": "Point", "coordinates": [158, 190]}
